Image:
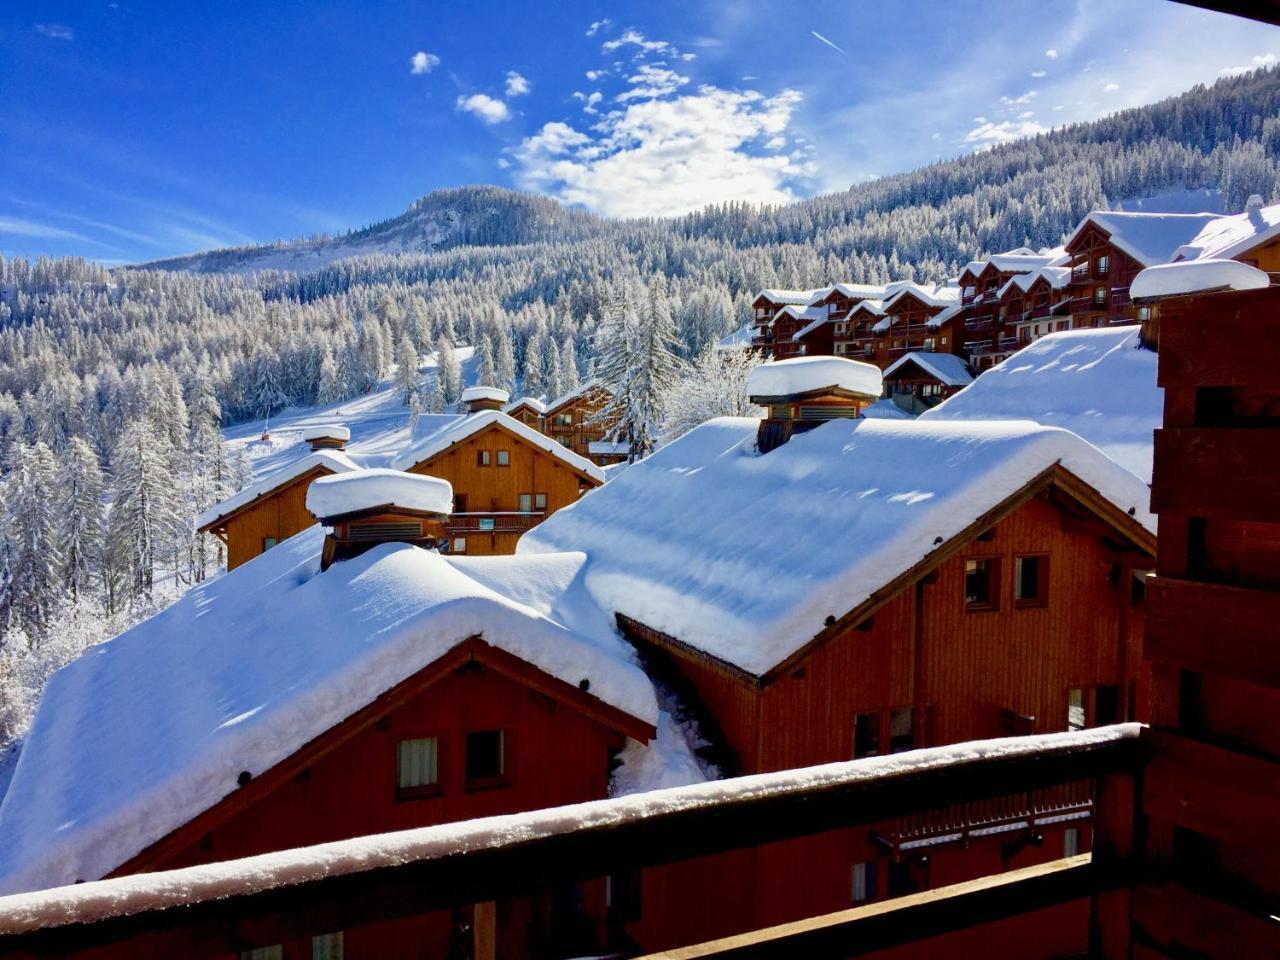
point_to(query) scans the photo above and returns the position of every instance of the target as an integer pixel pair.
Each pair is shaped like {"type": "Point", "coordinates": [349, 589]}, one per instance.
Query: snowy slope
{"type": "Point", "coordinates": [1099, 384]}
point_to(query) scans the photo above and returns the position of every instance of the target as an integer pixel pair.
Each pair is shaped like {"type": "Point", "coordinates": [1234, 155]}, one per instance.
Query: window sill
{"type": "Point", "coordinates": [491, 783]}
{"type": "Point", "coordinates": [981, 608]}
{"type": "Point", "coordinates": [404, 794]}
{"type": "Point", "coordinates": [1031, 604]}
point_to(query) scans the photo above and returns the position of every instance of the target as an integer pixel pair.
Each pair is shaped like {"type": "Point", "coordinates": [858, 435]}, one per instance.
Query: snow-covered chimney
{"type": "Point", "coordinates": [364, 508]}
{"type": "Point", "coordinates": [332, 437]}
{"type": "Point", "coordinates": [484, 398]}
{"type": "Point", "coordinates": [1254, 202]}
{"type": "Point", "coordinates": [806, 392]}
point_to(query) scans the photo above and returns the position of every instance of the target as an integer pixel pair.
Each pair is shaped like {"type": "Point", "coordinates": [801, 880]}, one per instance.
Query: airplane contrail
{"type": "Point", "coordinates": [828, 42]}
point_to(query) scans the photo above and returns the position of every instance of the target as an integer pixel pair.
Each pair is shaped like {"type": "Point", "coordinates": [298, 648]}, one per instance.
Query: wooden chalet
{"type": "Point", "coordinates": [855, 337]}
{"type": "Point", "coordinates": [268, 512]}
{"type": "Point", "coordinates": [993, 297]}
{"type": "Point", "coordinates": [803, 393]}
{"type": "Point", "coordinates": [765, 307]}
{"type": "Point", "coordinates": [506, 476]}
{"type": "Point", "coordinates": [573, 420]}
{"type": "Point", "coordinates": [1037, 304]}
{"type": "Point", "coordinates": [364, 508]}
{"type": "Point", "coordinates": [919, 318]}
{"type": "Point", "coordinates": [528, 410]}
{"type": "Point", "coordinates": [917, 381]}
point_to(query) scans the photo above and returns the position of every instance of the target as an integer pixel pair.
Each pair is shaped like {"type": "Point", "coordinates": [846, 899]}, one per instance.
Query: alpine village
{"type": "Point", "coordinates": [645, 619]}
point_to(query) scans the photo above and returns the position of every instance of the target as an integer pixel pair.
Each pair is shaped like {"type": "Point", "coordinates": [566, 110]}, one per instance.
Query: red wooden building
{"type": "Point", "coordinates": [766, 306]}
{"type": "Point", "coordinates": [919, 318]}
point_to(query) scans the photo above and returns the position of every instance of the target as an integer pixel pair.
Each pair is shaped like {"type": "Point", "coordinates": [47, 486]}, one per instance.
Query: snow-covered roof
{"type": "Point", "coordinates": [1058, 277]}
{"type": "Point", "coordinates": [1196, 276]}
{"type": "Point", "coordinates": [536, 404]}
{"type": "Point", "coordinates": [1225, 238]}
{"type": "Point", "coordinates": [943, 315]}
{"type": "Point", "coordinates": [941, 295]}
{"type": "Point", "coordinates": [801, 313]}
{"type": "Point", "coordinates": [1149, 238]}
{"type": "Point", "coordinates": [458, 431]}
{"type": "Point", "coordinates": [1100, 384]}
{"type": "Point", "coordinates": [330, 432]}
{"type": "Point", "coordinates": [741, 337]}
{"type": "Point", "coordinates": [1019, 262]}
{"type": "Point", "coordinates": [579, 391]}
{"type": "Point", "coordinates": [344, 493]}
{"type": "Point", "coordinates": [865, 291]}
{"type": "Point", "coordinates": [801, 297]}
{"type": "Point", "coordinates": [811, 326]}
{"type": "Point", "coordinates": [496, 394]}
{"type": "Point", "coordinates": [947, 368]}
{"type": "Point", "coordinates": [333, 460]}
{"type": "Point", "coordinates": [148, 730]}
{"type": "Point", "coordinates": [875, 307]}
{"type": "Point", "coordinates": [745, 556]}
{"type": "Point", "coordinates": [785, 378]}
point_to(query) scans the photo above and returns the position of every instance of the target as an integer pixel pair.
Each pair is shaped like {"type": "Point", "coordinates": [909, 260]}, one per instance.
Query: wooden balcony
{"type": "Point", "coordinates": [225, 908]}
{"type": "Point", "coordinates": [515, 521]}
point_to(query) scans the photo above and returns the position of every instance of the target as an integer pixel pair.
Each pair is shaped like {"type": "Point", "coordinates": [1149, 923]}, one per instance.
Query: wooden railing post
{"type": "Point", "coordinates": [484, 931]}
{"type": "Point", "coordinates": [1114, 811]}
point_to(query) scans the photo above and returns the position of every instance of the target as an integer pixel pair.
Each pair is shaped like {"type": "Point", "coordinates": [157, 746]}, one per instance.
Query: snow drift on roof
{"type": "Point", "coordinates": [1228, 237]}
{"type": "Point", "coordinates": [745, 556]}
{"type": "Point", "coordinates": [1195, 276]}
{"type": "Point", "coordinates": [784, 378]}
{"type": "Point", "coordinates": [334, 431]}
{"type": "Point", "coordinates": [865, 291]}
{"type": "Point", "coordinates": [146, 731]}
{"type": "Point", "coordinates": [485, 393]}
{"type": "Point", "coordinates": [364, 489]}
{"type": "Point", "coordinates": [945, 367]}
{"type": "Point", "coordinates": [533, 403]}
{"type": "Point", "coordinates": [459, 430]}
{"type": "Point", "coordinates": [333, 460]}
{"type": "Point", "coordinates": [578, 391]}
{"type": "Point", "coordinates": [1100, 384]}
{"type": "Point", "coordinates": [811, 326]}
{"type": "Point", "coordinates": [789, 296]}
{"type": "Point", "coordinates": [1149, 238]}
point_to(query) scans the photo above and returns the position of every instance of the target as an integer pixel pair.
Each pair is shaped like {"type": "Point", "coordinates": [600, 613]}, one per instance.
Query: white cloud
{"type": "Point", "coordinates": [989, 134]}
{"type": "Point", "coordinates": [1051, 54]}
{"type": "Point", "coordinates": [667, 157]}
{"type": "Point", "coordinates": [1039, 73]}
{"type": "Point", "coordinates": [1025, 98]}
{"type": "Point", "coordinates": [423, 62]}
{"type": "Point", "coordinates": [56, 31]}
{"type": "Point", "coordinates": [1256, 63]}
{"type": "Point", "coordinates": [1111, 88]}
{"type": "Point", "coordinates": [29, 228]}
{"type": "Point", "coordinates": [589, 101]}
{"type": "Point", "coordinates": [652, 81]}
{"type": "Point", "coordinates": [485, 107]}
{"type": "Point", "coordinates": [517, 86]}
{"type": "Point", "coordinates": [594, 75]}
{"type": "Point", "coordinates": [636, 38]}
{"type": "Point", "coordinates": [776, 143]}
{"type": "Point", "coordinates": [829, 43]}
{"type": "Point", "coordinates": [597, 26]}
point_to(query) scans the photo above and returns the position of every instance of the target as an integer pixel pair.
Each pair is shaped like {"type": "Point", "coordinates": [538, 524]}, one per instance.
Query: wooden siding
{"type": "Point", "coordinates": [278, 515]}
{"type": "Point", "coordinates": [494, 489]}
{"type": "Point", "coordinates": [580, 432]}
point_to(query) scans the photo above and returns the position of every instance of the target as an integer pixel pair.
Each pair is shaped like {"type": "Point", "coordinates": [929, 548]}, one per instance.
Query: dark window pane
{"type": "Point", "coordinates": [978, 583]}
{"type": "Point", "coordinates": [900, 730]}
{"type": "Point", "coordinates": [484, 755]}
{"type": "Point", "coordinates": [1106, 705]}
{"type": "Point", "coordinates": [866, 735]}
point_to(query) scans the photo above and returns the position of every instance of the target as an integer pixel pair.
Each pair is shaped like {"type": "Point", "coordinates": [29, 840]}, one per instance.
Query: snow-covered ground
{"type": "Point", "coordinates": [1099, 384]}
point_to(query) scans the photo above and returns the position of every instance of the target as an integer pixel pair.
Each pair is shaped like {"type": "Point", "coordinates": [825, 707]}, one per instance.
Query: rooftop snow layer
{"type": "Point", "coordinates": [1149, 238]}
{"type": "Point", "coordinates": [865, 291]}
{"type": "Point", "coordinates": [811, 326]}
{"type": "Point", "coordinates": [334, 431]}
{"type": "Point", "coordinates": [1195, 276]}
{"type": "Point", "coordinates": [345, 493]}
{"type": "Point", "coordinates": [144, 732]}
{"type": "Point", "coordinates": [583, 388]}
{"type": "Point", "coordinates": [789, 296]}
{"type": "Point", "coordinates": [533, 403]}
{"type": "Point", "coordinates": [1100, 384]}
{"type": "Point", "coordinates": [684, 540]}
{"type": "Point", "coordinates": [741, 337]}
{"type": "Point", "coordinates": [485, 393]}
{"type": "Point", "coordinates": [459, 430]}
{"type": "Point", "coordinates": [1228, 237]}
{"type": "Point", "coordinates": [334, 460]}
{"type": "Point", "coordinates": [946, 367]}
{"type": "Point", "coordinates": [783, 378]}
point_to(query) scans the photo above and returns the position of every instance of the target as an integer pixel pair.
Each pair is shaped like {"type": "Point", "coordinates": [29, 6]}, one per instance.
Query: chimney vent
{"type": "Point", "coordinates": [332, 437]}
{"type": "Point", "coordinates": [484, 398]}
{"type": "Point", "coordinates": [364, 508]}
{"type": "Point", "coordinates": [1254, 202]}
{"type": "Point", "coordinates": [806, 392]}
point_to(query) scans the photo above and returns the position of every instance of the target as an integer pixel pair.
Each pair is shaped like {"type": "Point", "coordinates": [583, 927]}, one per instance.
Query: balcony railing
{"type": "Point", "coordinates": [511, 521]}
{"type": "Point", "coordinates": [225, 908]}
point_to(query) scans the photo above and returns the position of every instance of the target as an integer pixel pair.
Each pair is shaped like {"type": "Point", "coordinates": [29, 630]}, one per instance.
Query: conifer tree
{"type": "Point", "coordinates": [35, 559]}
{"type": "Point", "coordinates": [80, 518]}
{"type": "Point", "coordinates": [144, 518]}
{"type": "Point", "coordinates": [406, 368]}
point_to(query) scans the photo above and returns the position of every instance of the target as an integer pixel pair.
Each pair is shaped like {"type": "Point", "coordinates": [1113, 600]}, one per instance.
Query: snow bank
{"type": "Point", "coordinates": [683, 540]}
{"type": "Point", "coordinates": [485, 393]}
{"type": "Point", "coordinates": [333, 460]}
{"type": "Point", "coordinates": [89, 902]}
{"type": "Point", "coordinates": [1099, 384]}
{"type": "Point", "coordinates": [335, 432]}
{"type": "Point", "coordinates": [1195, 276]}
{"type": "Point", "coordinates": [802, 374]}
{"type": "Point", "coordinates": [146, 731]}
{"type": "Point", "coordinates": [365, 489]}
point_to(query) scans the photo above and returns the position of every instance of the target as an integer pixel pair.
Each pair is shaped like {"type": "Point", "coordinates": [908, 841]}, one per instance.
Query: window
{"type": "Point", "coordinates": [1106, 705]}
{"type": "Point", "coordinates": [982, 583]}
{"type": "Point", "coordinates": [1144, 313]}
{"type": "Point", "coordinates": [269, 542]}
{"type": "Point", "coordinates": [327, 946]}
{"type": "Point", "coordinates": [264, 953]}
{"type": "Point", "coordinates": [1031, 581]}
{"type": "Point", "coordinates": [1075, 709]}
{"type": "Point", "coordinates": [526, 503]}
{"type": "Point", "coordinates": [1071, 841]}
{"type": "Point", "coordinates": [539, 501]}
{"type": "Point", "coordinates": [504, 458]}
{"type": "Point", "coordinates": [1093, 706]}
{"type": "Point", "coordinates": [418, 767]}
{"type": "Point", "coordinates": [459, 545]}
{"type": "Point", "coordinates": [486, 524]}
{"type": "Point", "coordinates": [486, 760]}
{"type": "Point", "coordinates": [1099, 294]}
{"type": "Point", "coordinates": [866, 735]}
{"type": "Point", "coordinates": [864, 882]}
{"type": "Point", "coordinates": [459, 503]}
{"type": "Point", "coordinates": [780, 412]}
{"type": "Point", "coordinates": [900, 737]}
{"type": "Point", "coordinates": [928, 344]}
{"type": "Point", "coordinates": [484, 458]}
{"type": "Point", "coordinates": [1103, 263]}
{"type": "Point", "coordinates": [564, 420]}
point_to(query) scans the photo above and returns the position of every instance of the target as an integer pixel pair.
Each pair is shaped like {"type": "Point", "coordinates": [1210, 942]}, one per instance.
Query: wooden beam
{"type": "Point", "coordinates": [907, 919]}
{"type": "Point", "coordinates": [471, 863]}
{"type": "Point", "coordinates": [1217, 474]}
{"type": "Point", "coordinates": [1205, 627]}
{"type": "Point", "coordinates": [1220, 340]}
{"type": "Point", "coordinates": [1172, 918]}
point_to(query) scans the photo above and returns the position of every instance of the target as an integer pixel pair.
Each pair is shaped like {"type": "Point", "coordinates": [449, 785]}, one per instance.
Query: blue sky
{"type": "Point", "coordinates": [133, 130]}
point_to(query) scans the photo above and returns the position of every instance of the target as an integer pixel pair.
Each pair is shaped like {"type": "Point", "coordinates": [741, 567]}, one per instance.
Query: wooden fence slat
{"type": "Point", "coordinates": [1200, 626]}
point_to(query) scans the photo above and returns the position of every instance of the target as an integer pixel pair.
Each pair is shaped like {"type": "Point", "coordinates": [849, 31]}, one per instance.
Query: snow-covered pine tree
{"type": "Point", "coordinates": [504, 361]}
{"type": "Point", "coordinates": [449, 373]}
{"type": "Point", "coordinates": [144, 520]}
{"type": "Point", "coordinates": [329, 389]}
{"type": "Point", "coordinates": [551, 364]}
{"type": "Point", "coordinates": [433, 394]}
{"type": "Point", "coordinates": [531, 371]}
{"type": "Point", "coordinates": [714, 386]}
{"type": "Point", "coordinates": [487, 370]}
{"type": "Point", "coordinates": [35, 560]}
{"type": "Point", "coordinates": [406, 368]}
{"type": "Point", "coordinates": [80, 519]}
{"type": "Point", "coordinates": [569, 365]}
{"type": "Point", "coordinates": [266, 394]}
